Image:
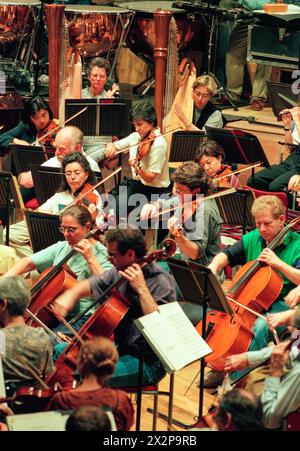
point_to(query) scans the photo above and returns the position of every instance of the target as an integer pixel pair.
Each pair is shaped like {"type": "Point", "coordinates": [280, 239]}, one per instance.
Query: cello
{"type": "Point", "coordinates": [102, 322]}
{"type": "Point", "coordinates": [254, 289]}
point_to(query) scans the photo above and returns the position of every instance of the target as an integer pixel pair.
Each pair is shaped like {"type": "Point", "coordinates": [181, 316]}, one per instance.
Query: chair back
{"type": "Point", "coordinates": [282, 196]}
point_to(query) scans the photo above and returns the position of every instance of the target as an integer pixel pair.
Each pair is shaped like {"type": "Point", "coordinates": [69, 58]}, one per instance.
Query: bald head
{"type": "Point", "coordinates": [69, 139]}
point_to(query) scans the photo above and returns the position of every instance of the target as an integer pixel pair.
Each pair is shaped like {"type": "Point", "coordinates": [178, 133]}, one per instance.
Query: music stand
{"type": "Point", "coordinates": [43, 229]}
{"type": "Point", "coordinates": [199, 285]}
{"type": "Point", "coordinates": [235, 209]}
{"type": "Point", "coordinates": [281, 96]}
{"type": "Point", "coordinates": [240, 147]}
{"type": "Point", "coordinates": [23, 156]}
{"type": "Point", "coordinates": [10, 197]}
{"type": "Point", "coordinates": [104, 117]}
{"type": "Point", "coordinates": [184, 145]}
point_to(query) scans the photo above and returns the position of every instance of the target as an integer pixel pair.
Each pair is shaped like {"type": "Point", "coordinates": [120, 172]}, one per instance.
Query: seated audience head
{"type": "Point", "coordinates": [77, 172]}
{"type": "Point", "coordinates": [69, 139]}
{"type": "Point", "coordinates": [14, 297]}
{"type": "Point", "coordinates": [204, 88]}
{"type": "Point", "coordinates": [98, 72]}
{"type": "Point", "coordinates": [76, 221]}
{"type": "Point", "coordinates": [36, 114]}
{"type": "Point", "coordinates": [190, 179]}
{"type": "Point", "coordinates": [210, 155]}
{"type": "Point", "coordinates": [144, 118]}
{"type": "Point", "coordinates": [88, 418]}
{"type": "Point", "coordinates": [99, 357]}
{"type": "Point", "coordinates": [269, 213]}
{"type": "Point", "coordinates": [239, 410]}
{"type": "Point", "coordinates": [125, 247]}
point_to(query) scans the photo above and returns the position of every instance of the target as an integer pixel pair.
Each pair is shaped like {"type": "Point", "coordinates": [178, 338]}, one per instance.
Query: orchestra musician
{"type": "Point", "coordinates": [24, 346]}
{"type": "Point", "coordinates": [148, 159]}
{"type": "Point", "coordinates": [269, 214]}
{"type": "Point", "coordinates": [96, 363]}
{"type": "Point", "coordinates": [78, 174]}
{"type": "Point", "coordinates": [210, 155]}
{"type": "Point", "coordinates": [36, 118]}
{"type": "Point", "coordinates": [205, 113]}
{"type": "Point", "coordinates": [195, 225]}
{"type": "Point", "coordinates": [98, 72]}
{"type": "Point", "coordinates": [90, 257]}
{"type": "Point", "coordinates": [146, 287]}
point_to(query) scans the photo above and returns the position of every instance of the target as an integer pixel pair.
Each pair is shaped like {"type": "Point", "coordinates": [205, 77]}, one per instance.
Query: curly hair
{"type": "Point", "coordinates": [128, 239]}
{"type": "Point", "coordinates": [98, 356]}
{"type": "Point", "coordinates": [16, 293]}
{"type": "Point", "coordinates": [190, 174]}
{"type": "Point", "coordinates": [76, 157]}
{"type": "Point", "coordinates": [101, 63]}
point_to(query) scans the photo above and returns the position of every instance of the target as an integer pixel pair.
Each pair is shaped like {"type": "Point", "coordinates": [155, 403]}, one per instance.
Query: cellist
{"type": "Point", "coordinates": [90, 257]}
{"type": "Point", "coordinates": [269, 214]}
{"type": "Point", "coordinates": [146, 287]}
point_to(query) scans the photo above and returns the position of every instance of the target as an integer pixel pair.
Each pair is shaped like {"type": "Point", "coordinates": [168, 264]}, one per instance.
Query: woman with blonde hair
{"type": "Point", "coordinates": [96, 363]}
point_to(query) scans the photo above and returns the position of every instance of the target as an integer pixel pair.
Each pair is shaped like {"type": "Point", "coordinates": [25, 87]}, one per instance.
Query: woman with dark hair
{"type": "Point", "coordinates": [210, 156]}
{"type": "Point", "coordinates": [36, 117]}
{"type": "Point", "coordinates": [148, 160]}
{"type": "Point", "coordinates": [96, 363]}
{"type": "Point", "coordinates": [77, 174]}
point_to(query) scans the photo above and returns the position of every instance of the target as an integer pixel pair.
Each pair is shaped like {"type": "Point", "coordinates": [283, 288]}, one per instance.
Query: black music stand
{"type": "Point", "coordinates": [235, 206]}
{"type": "Point", "coordinates": [43, 229]}
{"type": "Point", "coordinates": [184, 145]}
{"type": "Point", "coordinates": [281, 96]}
{"type": "Point", "coordinates": [240, 147]}
{"type": "Point", "coordinates": [198, 285]}
{"type": "Point", "coordinates": [295, 153]}
{"type": "Point", "coordinates": [104, 117]}
{"type": "Point", "coordinates": [23, 156]}
{"type": "Point", "coordinates": [46, 181]}
{"type": "Point", "coordinates": [10, 197]}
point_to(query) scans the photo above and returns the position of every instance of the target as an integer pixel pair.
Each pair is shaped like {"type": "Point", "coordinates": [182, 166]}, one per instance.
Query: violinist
{"type": "Point", "coordinates": [36, 118]}
{"type": "Point", "coordinates": [148, 160]}
{"type": "Point", "coordinates": [269, 214]}
{"type": "Point", "coordinates": [90, 257]}
{"type": "Point", "coordinates": [145, 286]}
{"type": "Point", "coordinates": [210, 155]}
{"type": "Point", "coordinates": [97, 361]}
{"type": "Point", "coordinates": [280, 393]}
{"type": "Point", "coordinates": [196, 226]}
{"type": "Point", "coordinates": [24, 345]}
{"type": "Point", "coordinates": [78, 175]}
{"type": "Point", "coordinates": [205, 113]}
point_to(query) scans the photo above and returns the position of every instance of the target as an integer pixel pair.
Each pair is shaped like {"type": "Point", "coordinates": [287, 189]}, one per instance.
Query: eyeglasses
{"type": "Point", "coordinates": [67, 229]}
{"type": "Point", "coordinates": [76, 173]}
{"type": "Point", "coordinates": [199, 95]}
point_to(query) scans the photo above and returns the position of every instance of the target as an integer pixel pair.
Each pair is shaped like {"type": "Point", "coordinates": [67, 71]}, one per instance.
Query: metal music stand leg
{"type": "Point", "coordinates": [8, 210]}
{"type": "Point", "coordinates": [202, 361]}
{"type": "Point", "coordinates": [139, 394]}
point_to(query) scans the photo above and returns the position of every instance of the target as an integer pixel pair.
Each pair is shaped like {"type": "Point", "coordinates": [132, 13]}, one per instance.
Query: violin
{"type": "Point", "coordinates": [30, 399]}
{"type": "Point", "coordinates": [87, 197]}
{"type": "Point", "coordinates": [45, 137]}
{"type": "Point", "coordinates": [144, 148]}
{"type": "Point", "coordinates": [224, 181]}
{"type": "Point", "coordinates": [102, 322]}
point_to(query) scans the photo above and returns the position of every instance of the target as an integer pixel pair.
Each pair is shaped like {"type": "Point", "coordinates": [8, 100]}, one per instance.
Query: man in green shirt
{"type": "Point", "coordinates": [269, 214]}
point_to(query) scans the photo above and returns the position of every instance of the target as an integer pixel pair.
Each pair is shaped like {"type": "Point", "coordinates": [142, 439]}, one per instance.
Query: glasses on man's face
{"type": "Point", "coordinates": [63, 229]}
{"type": "Point", "coordinates": [76, 173]}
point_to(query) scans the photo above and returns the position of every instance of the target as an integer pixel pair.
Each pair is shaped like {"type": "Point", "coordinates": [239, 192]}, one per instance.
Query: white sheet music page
{"type": "Point", "coordinates": [172, 336]}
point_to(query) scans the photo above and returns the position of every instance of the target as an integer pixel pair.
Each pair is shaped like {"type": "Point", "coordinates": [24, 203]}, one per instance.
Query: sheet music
{"type": "Point", "coordinates": [41, 421]}
{"type": "Point", "coordinates": [172, 336]}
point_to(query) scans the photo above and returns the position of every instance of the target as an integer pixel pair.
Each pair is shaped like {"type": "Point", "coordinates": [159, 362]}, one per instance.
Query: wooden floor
{"type": "Point", "coordinates": [185, 406]}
